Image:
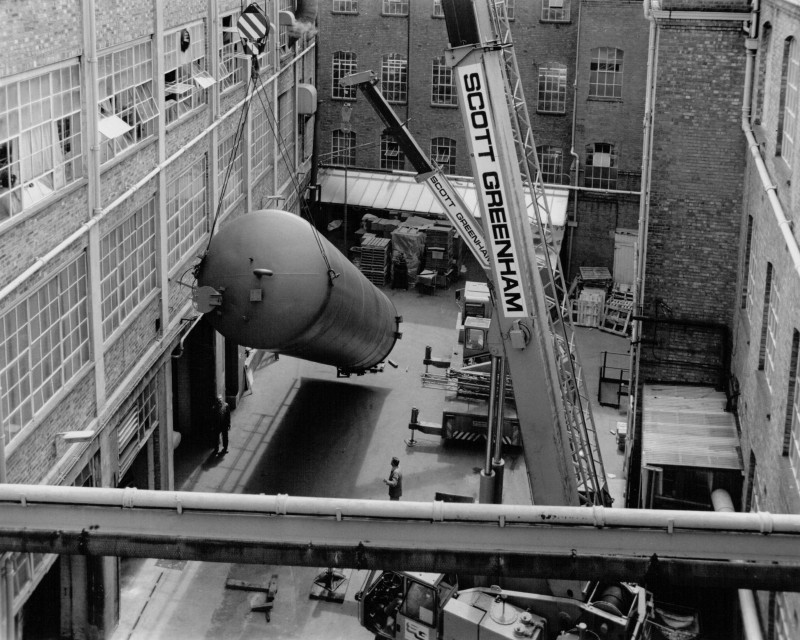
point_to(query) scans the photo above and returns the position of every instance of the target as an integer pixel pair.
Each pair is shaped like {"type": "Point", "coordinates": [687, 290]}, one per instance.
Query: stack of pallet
{"type": "Point", "coordinates": [375, 258]}
{"type": "Point", "coordinates": [587, 309]}
{"type": "Point", "coordinates": [618, 311]}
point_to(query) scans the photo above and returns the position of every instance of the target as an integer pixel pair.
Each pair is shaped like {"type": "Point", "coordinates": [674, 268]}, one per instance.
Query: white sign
{"type": "Point", "coordinates": [492, 190]}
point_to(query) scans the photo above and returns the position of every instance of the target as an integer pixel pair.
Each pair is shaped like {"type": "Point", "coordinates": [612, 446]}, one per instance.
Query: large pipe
{"type": "Point", "coordinates": [287, 289]}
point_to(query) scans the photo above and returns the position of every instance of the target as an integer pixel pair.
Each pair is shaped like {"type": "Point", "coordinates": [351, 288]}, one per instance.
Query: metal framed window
{"type": "Point", "coordinates": [343, 147]}
{"type": "Point", "coordinates": [392, 157]}
{"type": "Point", "coordinates": [601, 166]}
{"type": "Point", "coordinates": [550, 163]}
{"type": "Point", "coordinates": [552, 96]}
{"type": "Point", "coordinates": [285, 164]}
{"type": "Point", "coordinates": [443, 153]}
{"type": "Point", "coordinates": [137, 426]}
{"type": "Point", "coordinates": [605, 73]}
{"type": "Point", "coordinates": [772, 332]}
{"type": "Point", "coordinates": [395, 7]}
{"type": "Point", "coordinates": [344, 64]}
{"type": "Point", "coordinates": [127, 266]}
{"type": "Point", "coordinates": [763, 56]}
{"type": "Point", "coordinates": [283, 31]}
{"type": "Point", "coordinates": [41, 142]}
{"type": "Point", "coordinates": [345, 6]}
{"type": "Point", "coordinates": [765, 314]}
{"type": "Point", "coordinates": [261, 152]}
{"type": "Point", "coordinates": [44, 343]}
{"type": "Point", "coordinates": [555, 10]}
{"type": "Point", "coordinates": [185, 75]}
{"type": "Point", "coordinates": [394, 78]}
{"type": "Point", "coordinates": [791, 446]}
{"type": "Point", "coordinates": [232, 61]}
{"type": "Point", "coordinates": [789, 101]}
{"type": "Point", "coordinates": [187, 219]}
{"type": "Point", "coordinates": [747, 276]}
{"type": "Point", "coordinates": [437, 11]}
{"type": "Point", "coordinates": [443, 90]}
{"type": "Point", "coordinates": [234, 188]}
{"type": "Point", "coordinates": [510, 7]}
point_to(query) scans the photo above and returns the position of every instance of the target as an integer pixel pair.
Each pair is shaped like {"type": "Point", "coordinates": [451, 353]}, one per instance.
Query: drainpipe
{"type": "Point", "coordinates": [572, 152]}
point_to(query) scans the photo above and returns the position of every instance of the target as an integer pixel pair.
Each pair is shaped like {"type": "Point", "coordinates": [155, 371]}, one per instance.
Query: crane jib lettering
{"type": "Point", "coordinates": [491, 188]}
{"type": "Point", "coordinates": [447, 201]}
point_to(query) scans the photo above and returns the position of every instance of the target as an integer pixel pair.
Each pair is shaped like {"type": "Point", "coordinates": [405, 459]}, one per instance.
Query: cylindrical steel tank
{"type": "Point", "coordinates": [277, 293]}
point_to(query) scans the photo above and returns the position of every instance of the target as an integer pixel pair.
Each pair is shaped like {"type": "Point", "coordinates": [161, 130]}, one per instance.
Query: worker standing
{"type": "Point", "coordinates": [395, 481]}
{"type": "Point", "coordinates": [221, 423]}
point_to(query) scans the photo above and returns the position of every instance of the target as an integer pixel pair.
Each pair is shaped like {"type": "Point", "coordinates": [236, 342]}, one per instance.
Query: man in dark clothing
{"type": "Point", "coordinates": [395, 481]}
{"type": "Point", "coordinates": [221, 423]}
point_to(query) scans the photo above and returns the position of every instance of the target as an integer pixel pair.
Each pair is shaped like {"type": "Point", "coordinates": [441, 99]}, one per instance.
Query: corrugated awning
{"type": "Point", "coordinates": [688, 427]}
{"type": "Point", "coordinates": [401, 192]}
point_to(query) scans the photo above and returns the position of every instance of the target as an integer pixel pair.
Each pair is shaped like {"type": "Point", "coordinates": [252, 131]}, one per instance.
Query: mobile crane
{"type": "Point", "coordinates": [530, 335]}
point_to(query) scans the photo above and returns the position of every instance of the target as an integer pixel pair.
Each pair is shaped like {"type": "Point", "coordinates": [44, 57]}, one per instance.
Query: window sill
{"type": "Point", "coordinates": [129, 152]}
{"type": "Point", "coordinates": [44, 203]}
{"type": "Point", "coordinates": [544, 21]}
{"type": "Point", "coordinates": [185, 117]}
{"type": "Point", "coordinates": [551, 113]}
{"type": "Point", "coordinates": [603, 99]}
{"type": "Point", "coordinates": [443, 106]}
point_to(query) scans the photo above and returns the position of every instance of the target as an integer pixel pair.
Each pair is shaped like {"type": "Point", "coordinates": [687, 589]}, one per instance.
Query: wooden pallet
{"type": "Point", "coordinates": [585, 313]}
{"type": "Point", "coordinates": [617, 316]}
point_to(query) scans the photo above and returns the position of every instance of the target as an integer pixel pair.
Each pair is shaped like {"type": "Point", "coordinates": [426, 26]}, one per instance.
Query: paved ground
{"type": "Point", "coordinates": [304, 432]}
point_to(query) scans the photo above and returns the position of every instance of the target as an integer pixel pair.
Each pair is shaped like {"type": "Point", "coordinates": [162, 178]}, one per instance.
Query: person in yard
{"type": "Point", "coordinates": [395, 481]}
{"type": "Point", "coordinates": [221, 423]}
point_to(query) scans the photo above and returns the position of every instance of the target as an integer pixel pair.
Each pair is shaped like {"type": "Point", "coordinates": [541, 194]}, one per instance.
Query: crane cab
{"type": "Point", "coordinates": [404, 604]}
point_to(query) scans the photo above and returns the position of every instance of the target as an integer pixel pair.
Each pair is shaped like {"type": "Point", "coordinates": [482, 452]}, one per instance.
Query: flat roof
{"type": "Point", "coordinates": [401, 192]}
{"type": "Point", "coordinates": [688, 426]}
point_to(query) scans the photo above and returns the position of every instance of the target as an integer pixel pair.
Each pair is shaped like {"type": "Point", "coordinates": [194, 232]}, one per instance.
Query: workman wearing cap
{"type": "Point", "coordinates": [395, 481]}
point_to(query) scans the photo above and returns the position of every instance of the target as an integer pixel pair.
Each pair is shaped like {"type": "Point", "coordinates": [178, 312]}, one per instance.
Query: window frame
{"type": "Point", "coordinates": [765, 315]}
{"type": "Point", "coordinates": [235, 187]}
{"type": "Point", "coordinates": [443, 153]}
{"type": "Point", "coordinates": [343, 154]}
{"type": "Point", "coordinates": [338, 4]}
{"type": "Point", "coordinates": [555, 14]}
{"type": "Point", "coordinates": [392, 157]}
{"type": "Point", "coordinates": [792, 427]}
{"type": "Point", "coordinates": [789, 101]}
{"type": "Point", "coordinates": [261, 153]}
{"type": "Point", "coordinates": [602, 56]}
{"type": "Point", "coordinates": [748, 283]}
{"type": "Point", "coordinates": [395, 8]}
{"type": "Point", "coordinates": [546, 96]}
{"type": "Point", "coordinates": [443, 89]}
{"type": "Point", "coordinates": [187, 223]}
{"type": "Point", "coordinates": [595, 179]}
{"type": "Point", "coordinates": [394, 78]}
{"type": "Point", "coordinates": [232, 67]}
{"type": "Point", "coordinates": [343, 63]}
{"type": "Point", "coordinates": [186, 67]}
{"type": "Point", "coordinates": [556, 169]}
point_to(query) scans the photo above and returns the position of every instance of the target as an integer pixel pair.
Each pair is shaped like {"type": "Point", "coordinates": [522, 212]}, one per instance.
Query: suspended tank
{"type": "Point", "coordinates": [283, 287]}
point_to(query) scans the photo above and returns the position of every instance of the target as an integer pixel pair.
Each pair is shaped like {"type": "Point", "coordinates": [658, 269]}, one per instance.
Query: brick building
{"type": "Point", "coordinates": [122, 143]}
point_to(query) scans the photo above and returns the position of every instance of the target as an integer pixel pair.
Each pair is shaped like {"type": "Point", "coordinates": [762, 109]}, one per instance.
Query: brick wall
{"type": "Point", "coordinates": [139, 21]}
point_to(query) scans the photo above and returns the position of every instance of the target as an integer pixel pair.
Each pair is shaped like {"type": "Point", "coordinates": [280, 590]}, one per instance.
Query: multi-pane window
{"type": "Point", "coordinates": [395, 7]}
{"type": "Point", "coordinates": [185, 75]}
{"type": "Point", "coordinates": [344, 64]}
{"type": "Point", "coordinates": [792, 444]}
{"type": "Point", "coordinates": [555, 10]}
{"type": "Point", "coordinates": [345, 6]}
{"type": "Point", "coordinates": [605, 73]}
{"type": "Point", "coordinates": [284, 41]}
{"type": "Point", "coordinates": [127, 266]}
{"type": "Point", "coordinates": [438, 12]}
{"type": "Point", "coordinates": [443, 90]}
{"type": "Point", "coordinates": [186, 211]}
{"type": "Point", "coordinates": [763, 56]}
{"type": "Point", "coordinates": [601, 166]}
{"type": "Point", "coordinates": [343, 147]}
{"type": "Point", "coordinates": [286, 142]}
{"type": "Point", "coordinates": [443, 153]}
{"type": "Point", "coordinates": [747, 285]}
{"type": "Point", "coordinates": [772, 331]}
{"type": "Point", "coordinates": [394, 78]}
{"type": "Point", "coordinates": [41, 146]}
{"type": "Point", "coordinates": [552, 96]}
{"type": "Point", "coordinates": [231, 63]}
{"type": "Point", "coordinates": [230, 170]}
{"type": "Point", "coordinates": [789, 100]}
{"type": "Point", "coordinates": [261, 152]}
{"type": "Point", "coordinates": [391, 155]}
{"type": "Point", "coordinates": [138, 425]}
{"type": "Point", "coordinates": [765, 314]}
{"type": "Point", "coordinates": [550, 163]}
{"type": "Point", "coordinates": [510, 8]}
{"type": "Point", "coordinates": [44, 342]}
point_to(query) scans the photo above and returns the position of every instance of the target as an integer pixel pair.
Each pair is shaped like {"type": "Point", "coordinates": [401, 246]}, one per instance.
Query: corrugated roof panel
{"type": "Point", "coordinates": [356, 188]}
{"type": "Point", "coordinates": [367, 198]}
{"type": "Point", "coordinates": [382, 197]}
{"type": "Point", "coordinates": [426, 201]}
{"type": "Point", "coordinates": [413, 193]}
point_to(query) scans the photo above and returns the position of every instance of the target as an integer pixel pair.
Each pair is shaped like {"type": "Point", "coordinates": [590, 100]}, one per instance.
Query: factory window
{"type": "Point", "coordinates": [391, 155]}
{"type": "Point", "coordinates": [305, 136]}
{"type": "Point", "coordinates": [772, 331]}
{"type": "Point", "coordinates": [343, 147]}
{"type": "Point", "coordinates": [283, 31]}
{"type": "Point", "coordinates": [230, 170]}
{"type": "Point", "coordinates": [232, 64]}
{"type": "Point", "coordinates": [789, 100]}
{"type": "Point", "coordinates": [443, 153]}
{"type": "Point", "coordinates": [550, 163]}
{"type": "Point", "coordinates": [555, 10]}
{"type": "Point", "coordinates": [186, 211]}
{"type": "Point", "coordinates": [261, 151]}
{"type": "Point", "coordinates": [601, 166]}
{"type": "Point", "coordinates": [747, 285]}
{"type": "Point", "coordinates": [510, 8]}
{"type": "Point", "coordinates": [763, 57]}
{"type": "Point", "coordinates": [185, 76]}
{"type": "Point", "coordinates": [395, 7]}
{"type": "Point", "coordinates": [345, 6]}
{"type": "Point", "coordinates": [344, 64]}
{"type": "Point", "coordinates": [127, 266]}
{"type": "Point", "coordinates": [437, 12]}
{"type": "Point", "coordinates": [443, 90]}
{"type": "Point", "coordinates": [605, 73]}
{"type": "Point", "coordinates": [41, 146]}
{"type": "Point", "coordinates": [286, 141]}
{"type": "Point", "coordinates": [765, 316]}
{"type": "Point", "coordinates": [552, 96]}
{"type": "Point", "coordinates": [44, 343]}
{"type": "Point", "coordinates": [138, 425]}
{"type": "Point", "coordinates": [791, 446]}
{"type": "Point", "coordinates": [394, 78]}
